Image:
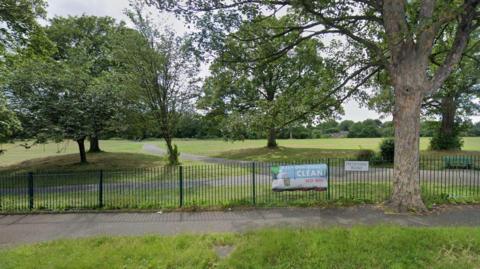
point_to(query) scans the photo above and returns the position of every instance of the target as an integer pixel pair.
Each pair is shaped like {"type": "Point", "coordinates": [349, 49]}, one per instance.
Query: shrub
{"type": "Point", "coordinates": [365, 155]}
{"type": "Point", "coordinates": [387, 149]}
{"type": "Point", "coordinates": [446, 142]}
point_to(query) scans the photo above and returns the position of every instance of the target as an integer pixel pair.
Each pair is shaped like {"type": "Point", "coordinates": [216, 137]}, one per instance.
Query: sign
{"type": "Point", "coordinates": [356, 166]}
{"type": "Point", "coordinates": [300, 177]}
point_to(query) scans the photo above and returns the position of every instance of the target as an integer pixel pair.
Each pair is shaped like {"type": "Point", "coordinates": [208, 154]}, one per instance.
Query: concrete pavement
{"type": "Point", "coordinates": [21, 229]}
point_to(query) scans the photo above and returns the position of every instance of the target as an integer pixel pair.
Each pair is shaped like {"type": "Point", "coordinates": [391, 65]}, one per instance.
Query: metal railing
{"type": "Point", "coordinates": [224, 185]}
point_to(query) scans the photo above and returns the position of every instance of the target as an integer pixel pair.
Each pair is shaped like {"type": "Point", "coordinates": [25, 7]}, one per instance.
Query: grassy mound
{"type": "Point", "coordinates": [96, 161]}
{"type": "Point", "coordinates": [360, 247]}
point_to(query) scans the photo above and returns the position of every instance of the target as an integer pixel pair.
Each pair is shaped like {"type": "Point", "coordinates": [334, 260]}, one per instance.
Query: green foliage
{"type": "Point", "coordinates": [442, 141]}
{"type": "Point", "coordinates": [253, 96]}
{"type": "Point", "coordinates": [365, 155]}
{"type": "Point", "coordinates": [367, 128]}
{"type": "Point", "coordinates": [18, 21]}
{"type": "Point", "coordinates": [387, 150]}
{"type": "Point", "coordinates": [63, 88]}
{"type": "Point", "coordinates": [160, 69]}
{"type": "Point", "coordinates": [474, 130]}
{"type": "Point", "coordinates": [9, 124]}
{"type": "Point", "coordinates": [174, 156]}
{"type": "Point", "coordinates": [346, 125]}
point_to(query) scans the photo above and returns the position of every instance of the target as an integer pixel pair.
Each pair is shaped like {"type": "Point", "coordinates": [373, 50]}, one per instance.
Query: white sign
{"type": "Point", "coordinates": [356, 166]}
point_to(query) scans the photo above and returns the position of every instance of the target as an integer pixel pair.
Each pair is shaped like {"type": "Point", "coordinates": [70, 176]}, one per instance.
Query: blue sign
{"type": "Point", "coordinates": [300, 177]}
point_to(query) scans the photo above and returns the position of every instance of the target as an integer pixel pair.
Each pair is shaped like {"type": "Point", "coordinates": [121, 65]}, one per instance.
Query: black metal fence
{"type": "Point", "coordinates": [225, 185]}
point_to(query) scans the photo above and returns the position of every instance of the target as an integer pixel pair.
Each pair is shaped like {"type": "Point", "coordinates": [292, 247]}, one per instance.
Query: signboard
{"type": "Point", "coordinates": [300, 177]}
{"type": "Point", "coordinates": [356, 166]}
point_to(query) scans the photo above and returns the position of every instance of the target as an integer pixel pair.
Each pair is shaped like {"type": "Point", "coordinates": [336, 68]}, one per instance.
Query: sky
{"type": "Point", "coordinates": [115, 8]}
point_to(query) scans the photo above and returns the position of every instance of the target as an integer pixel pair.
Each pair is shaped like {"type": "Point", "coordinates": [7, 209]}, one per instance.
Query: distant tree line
{"type": "Point", "coordinates": [197, 126]}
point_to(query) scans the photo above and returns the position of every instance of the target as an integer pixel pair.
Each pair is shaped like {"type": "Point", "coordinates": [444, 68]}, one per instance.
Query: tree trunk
{"type": "Point", "coordinates": [272, 138]}
{"type": "Point", "coordinates": [172, 152]}
{"type": "Point", "coordinates": [81, 148]}
{"type": "Point", "coordinates": [406, 194]}
{"type": "Point", "coordinates": [448, 116]}
{"type": "Point", "coordinates": [94, 145]}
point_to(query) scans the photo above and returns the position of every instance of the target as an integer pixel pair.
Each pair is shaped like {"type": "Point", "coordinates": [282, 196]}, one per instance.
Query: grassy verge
{"type": "Point", "coordinates": [358, 247]}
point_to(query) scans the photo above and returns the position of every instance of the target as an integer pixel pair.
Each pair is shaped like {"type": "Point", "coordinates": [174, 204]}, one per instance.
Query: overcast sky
{"type": "Point", "coordinates": [114, 8]}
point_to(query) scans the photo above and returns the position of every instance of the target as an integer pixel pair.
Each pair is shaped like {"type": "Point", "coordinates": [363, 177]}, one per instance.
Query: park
{"type": "Point", "coordinates": [239, 134]}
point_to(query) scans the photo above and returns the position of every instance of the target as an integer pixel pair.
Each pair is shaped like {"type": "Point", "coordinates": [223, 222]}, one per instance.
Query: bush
{"type": "Point", "coordinates": [365, 155]}
{"type": "Point", "coordinates": [446, 142]}
{"type": "Point", "coordinates": [387, 149]}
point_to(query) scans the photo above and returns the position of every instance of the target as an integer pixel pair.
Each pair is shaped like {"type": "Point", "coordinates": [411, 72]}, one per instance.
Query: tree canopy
{"type": "Point", "coordinates": [269, 95]}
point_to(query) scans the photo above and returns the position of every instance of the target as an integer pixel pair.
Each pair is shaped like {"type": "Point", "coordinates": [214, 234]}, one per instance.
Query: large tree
{"type": "Point", "coordinates": [161, 68]}
{"type": "Point", "coordinates": [266, 96]}
{"type": "Point", "coordinates": [86, 42]}
{"type": "Point", "coordinates": [62, 87]}
{"type": "Point", "coordinates": [397, 35]}
{"type": "Point", "coordinates": [18, 22]}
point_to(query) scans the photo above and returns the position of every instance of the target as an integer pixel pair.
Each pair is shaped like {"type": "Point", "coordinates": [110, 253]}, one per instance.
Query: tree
{"type": "Point", "coordinates": [267, 96]}
{"type": "Point", "coordinates": [474, 130]}
{"type": "Point", "coordinates": [346, 125]}
{"type": "Point", "coordinates": [162, 68]}
{"type": "Point", "coordinates": [18, 20]}
{"type": "Point", "coordinates": [396, 36]}
{"type": "Point", "coordinates": [86, 42]}
{"type": "Point", "coordinates": [62, 88]}
{"type": "Point", "coordinates": [48, 95]}
{"type": "Point", "coordinates": [455, 103]}
{"type": "Point", "coordinates": [367, 128]}
{"type": "Point", "coordinates": [9, 123]}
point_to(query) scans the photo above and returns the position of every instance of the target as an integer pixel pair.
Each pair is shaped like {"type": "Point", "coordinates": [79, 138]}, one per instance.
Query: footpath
{"type": "Point", "coordinates": [21, 229]}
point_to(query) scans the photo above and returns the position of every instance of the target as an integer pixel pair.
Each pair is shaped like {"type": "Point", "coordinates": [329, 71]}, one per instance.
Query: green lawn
{"type": "Point", "coordinates": [96, 161]}
{"type": "Point", "coordinates": [16, 153]}
{"type": "Point", "coordinates": [289, 150]}
{"type": "Point", "coordinates": [214, 147]}
{"type": "Point", "coordinates": [301, 149]}
{"type": "Point", "coordinates": [358, 247]}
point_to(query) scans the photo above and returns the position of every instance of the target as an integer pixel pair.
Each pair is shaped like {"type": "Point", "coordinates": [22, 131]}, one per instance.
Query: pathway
{"type": "Point", "coordinates": [153, 149]}
{"type": "Point", "coordinates": [21, 229]}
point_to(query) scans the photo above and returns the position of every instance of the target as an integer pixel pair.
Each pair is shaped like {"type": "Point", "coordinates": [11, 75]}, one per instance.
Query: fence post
{"type": "Point", "coordinates": [253, 184]}
{"type": "Point", "coordinates": [328, 179]}
{"type": "Point", "coordinates": [180, 176]}
{"type": "Point", "coordinates": [30, 190]}
{"type": "Point", "coordinates": [100, 190]}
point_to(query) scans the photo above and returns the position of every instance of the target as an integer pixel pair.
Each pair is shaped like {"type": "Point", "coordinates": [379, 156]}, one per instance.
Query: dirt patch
{"type": "Point", "coordinates": [224, 251]}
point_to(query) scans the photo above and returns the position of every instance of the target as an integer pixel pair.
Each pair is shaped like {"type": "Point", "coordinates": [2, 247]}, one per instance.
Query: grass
{"type": "Point", "coordinates": [237, 192]}
{"type": "Point", "coordinates": [291, 150]}
{"type": "Point", "coordinates": [303, 149]}
{"type": "Point", "coordinates": [216, 146]}
{"type": "Point", "coordinates": [96, 161]}
{"type": "Point", "coordinates": [16, 153]}
{"type": "Point", "coordinates": [357, 247]}
{"type": "Point", "coordinates": [282, 154]}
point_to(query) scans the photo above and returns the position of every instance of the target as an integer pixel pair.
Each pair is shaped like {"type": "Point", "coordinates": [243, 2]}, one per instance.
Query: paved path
{"type": "Point", "coordinates": [153, 149]}
{"type": "Point", "coordinates": [20, 229]}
